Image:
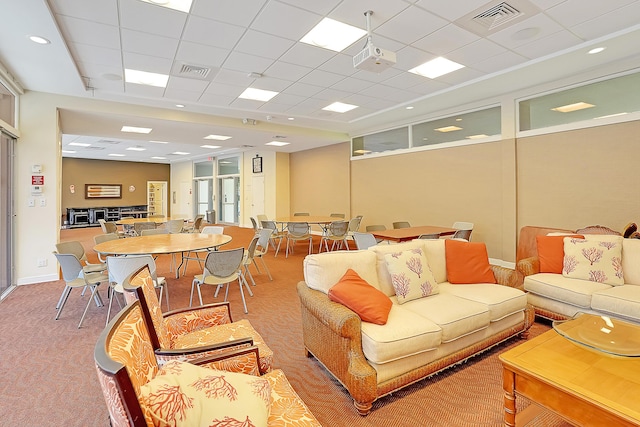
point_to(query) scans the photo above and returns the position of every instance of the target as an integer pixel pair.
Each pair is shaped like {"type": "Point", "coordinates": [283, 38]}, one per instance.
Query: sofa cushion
{"type": "Point", "coordinates": [555, 286]}
{"type": "Point", "coordinates": [502, 301]}
{"type": "Point", "coordinates": [631, 261]}
{"type": "Point", "coordinates": [322, 271]}
{"type": "Point", "coordinates": [411, 275]}
{"type": "Point", "coordinates": [594, 258]}
{"type": "Point", "coordinates": [618, 300]}
{"type": "Point", "coordinates": [467, 262]}
{"type": "Point", "coordinates": [379, 251]}
{"type": "Point", "coordinates": [434, 250]}
{"type": "Point", "coordinates": [204, 397]}
{"type": "Point", "coordinates": [551, 252]}
{"type": "Point", "coordinates": [354, 292]}
{"type": "Point", "coordinates": [456, 316]}
{"type": "Point", "coordinates": [406, 333]}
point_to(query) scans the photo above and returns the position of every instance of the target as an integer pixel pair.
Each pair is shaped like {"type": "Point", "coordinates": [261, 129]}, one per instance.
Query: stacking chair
{"type": "Point", "coordinates": [275, 234]}
{"type": "Point", "coordinates": [337, 215]}
{"type": "Point", "coordinates": [220, 269]}
{"type": "Point", "coordinates": [376, 227]}
{"type": "Point", "coordinates": [109, 227]}
{"type": "Point", "coordinates": [74, 247]}
{"type": "Point", "coordinates": [429, 236]}
{"type": "Point", "coordinates": [193, 227]}
{"type": "Point", "coordinates": [248, 258]}
{"type": "Point", "coordinates": [401, 224]}
{"type": "Point", "coordinates": [354, 226]}
{"type": "Point", "coordinates": [174, 226]}
{"type": "Point", "coordinates": [301, 214]}
{"type": "Point", "coordinates": [139, 226]}
{"type": "Point", "coordinates": [261, 217]}
{"type": "Point", "coordinates": [75, 277]}
{"type": "Point", "coordinates": [464, 230]}
{"type": "Point", "coordinates": [153, 231]}
{"type": "Point", "coordinates": [121, 267]}
{"type": "Point", "coordinates": [261, 250]}
{"type": "Point", "coordinates": [193, 255]}
{"type": "Point", "coordinates": [298, 232]}
{"type": "Point", "coordinates": [364, 240]}
{"type": "Point", "coordinates": [99, 238]}
{"type": "Point", "coordinates": [337, 234]}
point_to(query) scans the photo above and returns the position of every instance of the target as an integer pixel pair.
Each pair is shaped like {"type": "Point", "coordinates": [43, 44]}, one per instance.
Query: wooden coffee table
{"type": "Point", "coordinates": [583, 386]}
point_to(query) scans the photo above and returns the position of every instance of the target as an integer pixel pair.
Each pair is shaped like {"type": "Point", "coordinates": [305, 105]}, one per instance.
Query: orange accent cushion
{"type": "Point", "coordinates": [355, 293]}
{"type": "Point", "coordinates": [551, 252]}
{"type": "Point", "coordinates": [467, 262]}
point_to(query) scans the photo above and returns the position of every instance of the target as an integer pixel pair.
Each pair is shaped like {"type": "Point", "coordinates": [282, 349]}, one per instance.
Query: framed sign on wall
{"type": "Point", "coordinates": [103, 191]}
{"type": "Point", "coordinates": [257, 164]}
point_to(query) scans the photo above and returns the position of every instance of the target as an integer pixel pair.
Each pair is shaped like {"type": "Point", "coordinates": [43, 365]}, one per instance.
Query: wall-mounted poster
{"type": "Point", "coordinates": [103, 191]}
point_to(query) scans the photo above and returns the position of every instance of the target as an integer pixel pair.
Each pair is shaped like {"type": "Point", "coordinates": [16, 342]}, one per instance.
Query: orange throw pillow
{"type": "Point", "coordinates": [467, 262]}
{"type": "Point", "coordinates": [551, 252]}
{"type": "Point", "coordinates": [355, 293]}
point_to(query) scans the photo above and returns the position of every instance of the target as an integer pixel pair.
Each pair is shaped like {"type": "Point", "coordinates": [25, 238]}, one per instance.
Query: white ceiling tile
{"type": "Point", "coordinates": [445, 40]}
{"type": "Point", "coordinates": [247, 63]}
{"type": "Point", "coordinates": [573, 12]}
{"type": "Point", "coordinates": [228, 10]}
{"type": "Point", "coordinates": [246, 104]}
{"type": "Point", "coordinates": [285, 21]}
{"type": "Point", "coordinates": [451, 9]}
{"type": "Point", "coordinates": [499, 62]}
{"type": "Point", "coordinates": [199, 54]}
{"type": "Point", "coordinates": [216, 88]}
{"type": "Point", "coordinates": [303, 89]}
{"type": "Point", "coordinates": [148, 44]}
{"type": "Point", "coordinates": [352, 12]}
{"type": "Point", "coordinates": [91, 33]}
{"type": "Point", "coordinates": [97, 55]}
{"type": "Point", "coordinates": [288, 99]}
{"type": "Point", "coordinates": [104, 11]}
{"type": "Point", "coordinates": [185, 84]}
{"type": "Point", "coordinates": [273, 107]}
{"type": "Point", "coordinates": [264, 45]}
{"type": "Point", "coordinates": [410, 25]}
{"type": "Point", "coordinates": [511, 37]}
{"type": "Point", "coordinates": [404, 81]}
{"type": "Point", "coordinates": [545, 4]}
{"type": "Point", "coordinates": [475, 52]}
{"type": "Point", "coordinates": [460, 76]}
{"type": "Point", "coordinates": [212, 33]}
{"type": "Point", "coordinates": [315, 6]}
{"type": "Point", "coordinates": [376, 77]}
{"type": "Point", "coordinates": [307, 56]}
{"type": "Point", "coordinates": [271, 83]}
{"type": "Point", "coordinates": [625, 17]}
{"type": "Point", "coordinates": [144, 90]}
{"type": "Point", "coordinates": [352, 84]}
{"type": "Point", "coordinates": [388, 92]}
{"type": "Point", "coordinates": [182, 95]}
{"type": "Point", "coordinates": [216, 99]}
{"type": "Point", "coordinates": [151, 64]}
{"type": "Point", "coordinates": [332, 95]}
{"type": "Point", "coordinates": [149, 18]}
{"type": "Point", "coordinates": [410, 57]}
{"type": "Point", "coordinates": [287, 71]}
{"type": "Point", "coordinates": [235, 78]}
{"type": "Point", "coordinates": [549, 44]}
{"type": "Point", "coordinates": [428, 86]}
{"type": "Point", "coordinates": [321, 78]}
{"type": "Point", "coordinates": [370, 101]}
{"type": "Point", "coordinates": [340, 64]}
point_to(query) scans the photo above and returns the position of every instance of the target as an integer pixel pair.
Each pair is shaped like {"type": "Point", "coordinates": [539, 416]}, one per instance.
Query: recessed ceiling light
{"type": "Point", "coordinates": [340, 107]}
{"type": "Point", "coordinates": [134, 129]}
{"type": "Point", "coordinates": [458, 119]}
{"type": "Point", "coordinates": [448, 129]}
{"type": "Point", "coordinates": [479, 136]}
{"type": "Point", "coordinates": [409, 107]}
{"type": "Point", "coordinates": [362, 151]}
{"type": "Point", "coordinates": [290, 118]}
{"type": "Point", "coordinates": [159, 158]}
{"type": "Point", "coordinates": [180, 153]}
{"type": "Point", "coordinates": [572, 107]}
{"type": "Point", "coordinates": [217, 137]}
{"type": "Point", "coordinates": [116, 155]}
{"type": "Point", "coordinates": [159, 142]}
{"type": "Point", "coordinates": [436, 68]}
{"type": "Point", "coordinates": [333, 35]}
{"type": "Point", "coordinates": [612, 115]}
{"type": "Point", "coordinates": [210, 146]}
{"type": "Point", "coordinates": [136, 149]}
{"type": "Point", "coordinates": [145, 78]}
{"type": "Point", "coordinates": [277, 143]}
{"type": "Point", "coordinates": [39, 40]}
{"type": "Point", "coordinates": [180, 105]}
{"type": "Point", "coordinates": [79, 144]}
{"type": "Point", "coordinates": [257, 94]}
{"type": "Point", "coordinates": [596, 50]}
{"type": "Point", "coordinates": [68, 151]}
{"type": "Point", "coordinates": [181, 5]}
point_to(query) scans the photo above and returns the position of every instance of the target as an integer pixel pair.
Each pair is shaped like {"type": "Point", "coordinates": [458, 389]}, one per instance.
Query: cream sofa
{"type": "Point", "coordinates": [420, 338]}
{"type": "Point", "coordinates": [555, 296]}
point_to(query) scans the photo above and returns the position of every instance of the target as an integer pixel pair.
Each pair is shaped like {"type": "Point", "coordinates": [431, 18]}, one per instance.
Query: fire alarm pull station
{"type": "Point", "coordinates": [37, 182]}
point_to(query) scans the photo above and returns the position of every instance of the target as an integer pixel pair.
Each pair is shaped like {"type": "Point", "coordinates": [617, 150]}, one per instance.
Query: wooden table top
{"type": "Point", "coordinates": [161, 244]}
{"type": "Point", "coordinates": [311, 219]}
{"type": "Point", "coordinates": [611, 383]}
{"type": "Point", "coordinates": [410, 233]}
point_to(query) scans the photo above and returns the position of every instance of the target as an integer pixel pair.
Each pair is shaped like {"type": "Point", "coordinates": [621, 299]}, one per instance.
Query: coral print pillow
{"type": "Point", "coordinates": [597, 260]}
{"type": "Point", "coordinates": [183, 394]}
{"type": "Point", "coordinates": [411, 275]}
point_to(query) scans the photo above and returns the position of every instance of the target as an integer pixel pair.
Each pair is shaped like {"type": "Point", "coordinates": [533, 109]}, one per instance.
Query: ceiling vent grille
{"type": "Point", "coordinates": [93, 147]}
{"type": "Point", "coordinates": [496, 16]}
{"type": "Point", "coordinates": [192, 71]}
{"type": "Point", "coordinates": [108, 141]}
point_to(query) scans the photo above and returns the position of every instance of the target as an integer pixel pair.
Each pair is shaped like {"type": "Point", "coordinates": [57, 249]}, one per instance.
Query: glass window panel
{"type": "Point", "coordinates": [394, 139]}
{"type": "Point", "coordinates": [7, 105]}
{"type": "Point", "coordinates": [203, 169]}
{"type": "Point", "coordinates": [616, 96]}
{"type": "Point", "coordinates": [467, 126]}
{"type": "Point", "coordinates": [228, 166]}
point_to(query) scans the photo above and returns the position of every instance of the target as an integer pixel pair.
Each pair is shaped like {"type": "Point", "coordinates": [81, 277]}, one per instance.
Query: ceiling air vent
{"type": "Point", "coordinates": [498, 15]}
{"type": "Point", "coordinates": [192, 71]}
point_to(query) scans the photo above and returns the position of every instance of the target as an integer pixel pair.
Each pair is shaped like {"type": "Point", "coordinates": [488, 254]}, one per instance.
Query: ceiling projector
{"type": "Point", "coordinates": [374, 59]}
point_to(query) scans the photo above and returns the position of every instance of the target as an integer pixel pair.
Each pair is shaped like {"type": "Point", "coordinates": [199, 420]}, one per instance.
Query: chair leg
{"type": "Point", "coordinates": [256, 265]}
{"type": "Point", "coordinates": [94, 290]}
{"type": "Point", "coordinates": [278, 248]}
{"type": "Point", "coordinates": [63, 300]}
{"type": "Point", "coordinates": [193, 284]}
{"type": "Point", "coordinates": [200, 293]}
{"type": "Point", "coordinates": [246, 269]}
{"type": "Point", "coordinates": [244, 301]}
{"type": "Point", "coordinates": [266, 268]}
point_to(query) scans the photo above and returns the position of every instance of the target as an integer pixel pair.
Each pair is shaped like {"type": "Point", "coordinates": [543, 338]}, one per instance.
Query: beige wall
{"type": "Point", "coordinates": [320, 181]}
{"type": "Point", "coordinates": [84, 171]}
{"type": "Point", "coordinates": [581, 177]}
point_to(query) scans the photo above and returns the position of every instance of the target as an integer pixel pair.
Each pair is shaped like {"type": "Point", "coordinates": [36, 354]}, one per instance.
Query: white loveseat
{"type": "Point", "coordinates": [556, 296]}
{"type": "Point", "coordinates": [420, 337]}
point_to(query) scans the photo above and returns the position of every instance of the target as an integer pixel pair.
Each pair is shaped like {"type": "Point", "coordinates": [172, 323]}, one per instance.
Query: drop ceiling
{"type": "Point", "coordinates": [220, 48]}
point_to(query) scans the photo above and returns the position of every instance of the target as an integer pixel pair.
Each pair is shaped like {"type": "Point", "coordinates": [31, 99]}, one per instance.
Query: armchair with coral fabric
{"type": "Point", "coordinates": [135, 386]}
{"type": "Point", "coordinates": [189, 332]}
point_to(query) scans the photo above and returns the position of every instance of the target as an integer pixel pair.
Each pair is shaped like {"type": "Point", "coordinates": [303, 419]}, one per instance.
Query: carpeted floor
{"type": "Point", "coordinates": [48, 375]}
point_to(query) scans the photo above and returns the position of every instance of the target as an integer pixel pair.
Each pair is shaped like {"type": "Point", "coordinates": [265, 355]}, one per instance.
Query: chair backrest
{"type": "Point", "coordinates": [462, 235]}
{"type": "Point", "coordinates": [364, 240]}
{"type": "Point", "coordinates": [72, 247]}
{"type": "Point", "coordinates": [338, 228]}
{"type": "Point", "coordinates": [111, 227]}
{"type": "Point", "coordinates": [99, 238]}
{"type": "Point", "coordinates": [376, 227]}
{"type": "Point", "coordinates": [298, 229]}
{"type": "Point", "coordinates": [251, 249]}
{"type": "Point", "coordinates": [429, 236]}
{"type": "Point", "coordinates": [223, 263]}
{"type": "Point", "coordinates": [464, 230]}
{"type": "Point", "coordinates": [102, 223]}
{"type": "Point", "coordinates": [125, 361]}
{"type": "Point", "coordinates": [301, 214]}
{"type": "Point", "coordinates": [213, 229]}
{"type": "Point", "coordinates": [175, 225]}
{"type": "Point", "coordinates": [337, 215]}
{"type": "Point", "coordinates": [354, 223]}
{"type": "Point", "coordinates": [401, 224]}
{"type": "Point", "coordinates": [254, 223]}
{"type": "Point", "coordinates": [152, 231]}
{"type": "Point", "coordinates": [70, 264]}
{"type": "Point", "coordinates": [263, 241]}
{"type": "Point", "coordinates": [461, 225]}
{"type": "Point", "coordinates": [270, 225]}
{"type": "Point", "coordinates": [197, 223]}
{"type": "Point", "coordinates": [120, 268]}
{"type": "Point", "coordinates": [139, 226]}
{"type": "Point", "coordinates": [261, 218]}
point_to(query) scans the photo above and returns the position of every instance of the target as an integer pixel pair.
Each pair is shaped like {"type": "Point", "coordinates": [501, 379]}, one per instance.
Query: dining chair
{"type": "Point", "coordinates": [464, 230]}
{"type": "Point", "coordinates": [154, 231]}
{"type": "Point", "coordinates": [174, 226]}
{"type": "Point", "coordinates": [337, 215]}
{"type": "Point", "coordinates": [298, 232]}
{"type": "Point", "coordinates": [401, 224]}
{"type": "Point", "coordinates": [429, 236]}
{"type": "Point", "coordinates": [262, 217]}
{"type": "Point", "coordinates": [254, 224]}
{"type": "Point", "coordinates": [261, 250]}
{"type": "Point", "coordinates": [364, 240]}
{"type": "Point", "coordinates": [337, 234]}
{"type": "Point", "coordinates": [220, 269]}
{"type": "Point", "coordinates": [275, 235]}
{"type": "Point", "coordinates": [75, 247]}
{"type": "Point", "coordinates": [376, 227]}
{"type": "Point", "coordinates": [248, 258]}
{"type": "Point", "coordinates": [193, 227]}
{"type": "Point", "coordinates": [194, 255]}
{"type": "Point", "coordinates": [143, 225]}
{"type": "Point", "coordinates": [354, 226]}
{"type": "Point", "coordinates": [301, 214]}
{"type": "Point", "coordinates": [74, 277]}
{"type": "Point", "coordinates": [99, 238]}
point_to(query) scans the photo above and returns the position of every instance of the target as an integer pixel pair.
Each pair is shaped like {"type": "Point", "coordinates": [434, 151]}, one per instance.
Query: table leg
{"type": "Point", "coordinates": [508, 385]}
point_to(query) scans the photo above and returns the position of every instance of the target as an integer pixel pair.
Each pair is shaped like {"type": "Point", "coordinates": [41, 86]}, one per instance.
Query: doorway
{"type": "Point", "coordinates": [7, 214]}
{"type": "Point", "coordinates": [229, 200]}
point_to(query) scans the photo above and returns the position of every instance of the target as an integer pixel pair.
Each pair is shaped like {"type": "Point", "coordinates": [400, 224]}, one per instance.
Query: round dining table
{"type": "Point", "coordinates": [157, 244]}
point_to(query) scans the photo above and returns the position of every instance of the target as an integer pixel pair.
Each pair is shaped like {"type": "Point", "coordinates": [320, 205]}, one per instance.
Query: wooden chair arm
{"type": "Point", "coordinates": [243, 360]}
{"type": "Point", "coordinates": [191, 319]}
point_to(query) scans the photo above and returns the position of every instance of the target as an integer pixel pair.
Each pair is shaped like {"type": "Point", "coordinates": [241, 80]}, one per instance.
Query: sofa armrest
{"type": "Point", "coordinates": [332, 334]}
{"type": "Point", "coordinates": [505, 276]}
{"type": "Point", "coordinates": [191, 319]}
{"type": "Point", "coordinates": [528, 266]}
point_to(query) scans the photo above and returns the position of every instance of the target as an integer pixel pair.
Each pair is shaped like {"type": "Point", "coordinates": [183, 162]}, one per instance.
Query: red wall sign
{"type": "Point", "coordinates": [37, 179]}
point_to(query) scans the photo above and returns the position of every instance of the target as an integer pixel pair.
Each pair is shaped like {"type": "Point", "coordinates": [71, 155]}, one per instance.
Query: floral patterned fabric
{"type": "Point", "coordinates": [595, 259]}
{"type": "Point", "coordinates": [411, 275]}
{"type": "Point", "coordinates": [287, 409]}
{"type": "Point", "coordinates": [183, 394]}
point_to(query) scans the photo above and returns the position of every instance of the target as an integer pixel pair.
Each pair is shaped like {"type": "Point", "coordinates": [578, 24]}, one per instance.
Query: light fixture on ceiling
{"type": "Point", "coordinates": [249, 122]}
{"type": "Point", "coordinates": [362, 152]}
{"type": "Point", "coordinates": [39, 40]}
{"type": "Point", "coordinates": [409, 107]}
{"type": "Point", "coordinates": [448, 129]}
{"type": "Point", "coordinates": [134, 129]}
{"type": "Point", "coordinates": [291, 118]}
{"type": "Point", "coordinates": [479, 136]}
{"type": "Point", "coordinates": [159, 142]}
{"type": "Point", "coordinates": [436, 67]}
{"type": "Point", "coordinates": [145, 78]}
{"type": "Point", "coordinates": [180, 153]}
{"type": "Point", "coordinates": [79, 144]}
{"type": "Point", "coordinates": [116, 155]}
{"type": "Point", "coordinates": [136, 148]}
{"type": "Point", "coordinates": [333, 35]}
{"type": "Point", "coordinates": [257, 94]}
{"type": "Point", "coordinates": [212, 147]}
{"type": "Point", "coordinates": [572, 107]}
{"type": "Point", "coordinates": [181, 5]}
{"type": "Point", "coordinates": [158, 158]}
{"type": "Point", "coordinates": [277, 143]}
{"type": "Point", "coordinates": [180, 105]}
{"type": "Point", "coordinates": [339, 107]}
{"type": "Point", "coordinates": [218, 137]}
{"type": "Point", "coordinates": [69, 151]}
{"type": "Point", "coordinates": [596, 50]}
